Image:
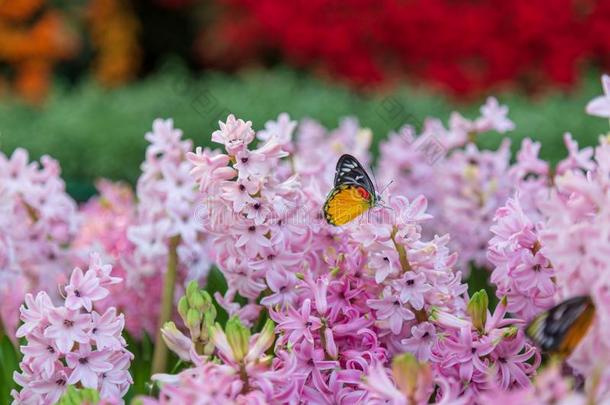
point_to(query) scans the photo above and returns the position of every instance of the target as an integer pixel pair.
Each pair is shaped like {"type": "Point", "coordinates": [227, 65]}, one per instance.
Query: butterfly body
{"type": "Point", "coordinates": [561, 328]}
{"type": "Point", "coordinates": [352, 195]}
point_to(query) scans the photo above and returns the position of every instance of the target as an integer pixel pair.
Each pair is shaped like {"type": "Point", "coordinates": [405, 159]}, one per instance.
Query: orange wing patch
{"type": "Point", "coordinates": [345, 203]}
{"type": "Point", "coordinates": [560, 329]}
{"type": "Point", "coordinates": [577, 331]}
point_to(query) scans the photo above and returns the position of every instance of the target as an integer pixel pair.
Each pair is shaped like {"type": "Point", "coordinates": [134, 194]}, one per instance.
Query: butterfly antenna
{"type": "Point", "coordinates": [386, 187]}
{"type": "Point", "coordinates": [380, 202]}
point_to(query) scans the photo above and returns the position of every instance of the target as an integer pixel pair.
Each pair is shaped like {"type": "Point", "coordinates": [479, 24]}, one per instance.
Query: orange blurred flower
{"type": "Point", "coordinates": [114, 32]}
{"type": "Point", "coordinates": [32, 48]}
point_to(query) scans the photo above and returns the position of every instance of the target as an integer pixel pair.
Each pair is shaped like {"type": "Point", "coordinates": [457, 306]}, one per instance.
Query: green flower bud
{"type": "Point", "coordinates": [208, 322]}
{"type": "Point", "coordinates": [197, 302]}
{"type": "Point", "coordinates": [477, 309]}
{"type": "Point", "coordinates": [183, 307]}
{"type": "Point", "coordinates": [207, 298]}
{"type": "Point", "coordinates": [192, 291]}
{"type": "Point", "coordinates": [193, 322]}
{"type": "Point", "coordinates": [238, 337]}
{"type": "Point", "coordinates": [212, 311]}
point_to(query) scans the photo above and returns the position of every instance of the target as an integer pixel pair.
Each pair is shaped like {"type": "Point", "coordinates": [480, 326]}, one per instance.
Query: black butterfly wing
{"type": "Point", "coordinates": [561, 328]}
{"type": "Point", "coordinates": [350, 171]}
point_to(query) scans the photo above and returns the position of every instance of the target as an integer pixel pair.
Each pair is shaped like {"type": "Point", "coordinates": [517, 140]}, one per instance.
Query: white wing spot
{"type": "Point", "coordinates": [559, 313]}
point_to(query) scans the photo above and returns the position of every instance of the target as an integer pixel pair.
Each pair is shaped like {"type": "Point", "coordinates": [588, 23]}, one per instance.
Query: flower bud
{"type": "Point", "coordinates": [207, 298]}
{"type": "Point", "coordinates": [208, 321]}
{"type": "Point", "coordinates": [193, 322]}
{"type": "Point", "coordinates": [263, 342]}
{"type": "Point", "coordinates": [209, 303]}
{"type": "Point", "coordinates": [197, 302]}
{"type": "Point", "coordinates": [477, 309]}
{"type": "Point", "coordinates": [183, 307]}
{"type": "Point", "coordinates": [176, 341]}
{"type": "Point", "coordinates": [410, 375]}
{"type": "Point", "coordinates": [238, 337]}
{"type": "Point", "coordinates": [447, 319]}
{"type": "Point", "coordinates": [192, 292]}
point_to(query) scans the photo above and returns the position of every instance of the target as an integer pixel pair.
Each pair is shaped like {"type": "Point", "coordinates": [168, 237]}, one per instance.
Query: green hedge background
{"type": "Point", "coordinates": [95, 132]}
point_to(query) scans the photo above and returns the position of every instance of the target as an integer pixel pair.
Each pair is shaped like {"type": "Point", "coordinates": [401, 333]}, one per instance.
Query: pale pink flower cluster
{"type": "Point", "coordinates": [531, 177]}
{"type": "Point", "coordinates": [167, 201]}
{"type": "Point", "coordinates": [37, 221]}
{"type": "Point", "coordinates": [103, 228]}
{"type": "Point", "coordinates": [411, 275]}
{"type": "Point", "coordinates": [474, 358]}
{"type": "Point", "coordinates": [133, 232]}
{"type": "Point", "coordinates": [252, 206]}
{"type": "Point", "coordinates": [73, 343]}
{"type": "Point", "coordinates": [575, 237]}
{"type": "Point", "coordinates": [317, 149]}
{"type": "Point", "coordinates": [463, 184]}
{"type": "Point", "coordinates": [522, 273]}
{"type": "Point", "coordinates": [555, 246]}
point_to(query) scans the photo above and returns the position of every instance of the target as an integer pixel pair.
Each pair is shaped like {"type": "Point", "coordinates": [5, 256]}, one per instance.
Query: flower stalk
{"type": "Point", "coordinates": [169, 283]}
{"type": "Point", "coordinates": [402, 252]}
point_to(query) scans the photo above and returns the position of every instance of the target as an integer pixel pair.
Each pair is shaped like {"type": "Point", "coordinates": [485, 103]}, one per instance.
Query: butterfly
{"type": "Point", "coordinates": [561, 328]}
{"type": "Point", "coordinates": [353, 192]}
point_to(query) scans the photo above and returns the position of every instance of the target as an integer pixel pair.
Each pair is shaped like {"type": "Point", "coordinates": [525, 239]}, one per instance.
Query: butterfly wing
{"type": "Point", "coordinates": [350, 171]}
{"type": "Point", "coordinates": [346, 202]}
{"type": "Point", "coordinates": [562, 327]}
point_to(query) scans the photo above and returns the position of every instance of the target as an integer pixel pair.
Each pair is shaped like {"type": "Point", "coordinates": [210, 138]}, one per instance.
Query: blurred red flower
{"type": "Point", "coordinates": [465, 45]}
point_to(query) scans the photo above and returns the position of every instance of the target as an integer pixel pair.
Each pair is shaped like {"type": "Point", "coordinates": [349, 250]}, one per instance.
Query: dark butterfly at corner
{"type": "Point", "coordinates": [353, 192]}
{"type": "Point", "coordinates": [560, 329]}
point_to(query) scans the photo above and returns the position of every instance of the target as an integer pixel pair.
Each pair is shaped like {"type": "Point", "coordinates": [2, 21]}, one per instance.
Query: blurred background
{"type": "Point", "coordinates": [82, 80]}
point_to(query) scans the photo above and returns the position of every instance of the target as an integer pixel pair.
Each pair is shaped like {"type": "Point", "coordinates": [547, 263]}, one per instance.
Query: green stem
{"type": "Point", "coordinates": [402, 253]}
{"type": "Point", "coordinates": [2, 333]}
{"type": "Point", "coordinates": [167, 303]}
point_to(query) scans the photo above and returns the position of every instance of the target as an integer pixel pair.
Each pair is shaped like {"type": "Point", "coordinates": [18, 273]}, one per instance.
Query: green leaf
{"type": "Point", "coordinates": [217, 283]}
{"type": "Point", "coordinates": [479, 280]}
{"type": "Point", "coordinates": [9, 363]}
{"type": "Point", "coordinates": [140, 366]}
